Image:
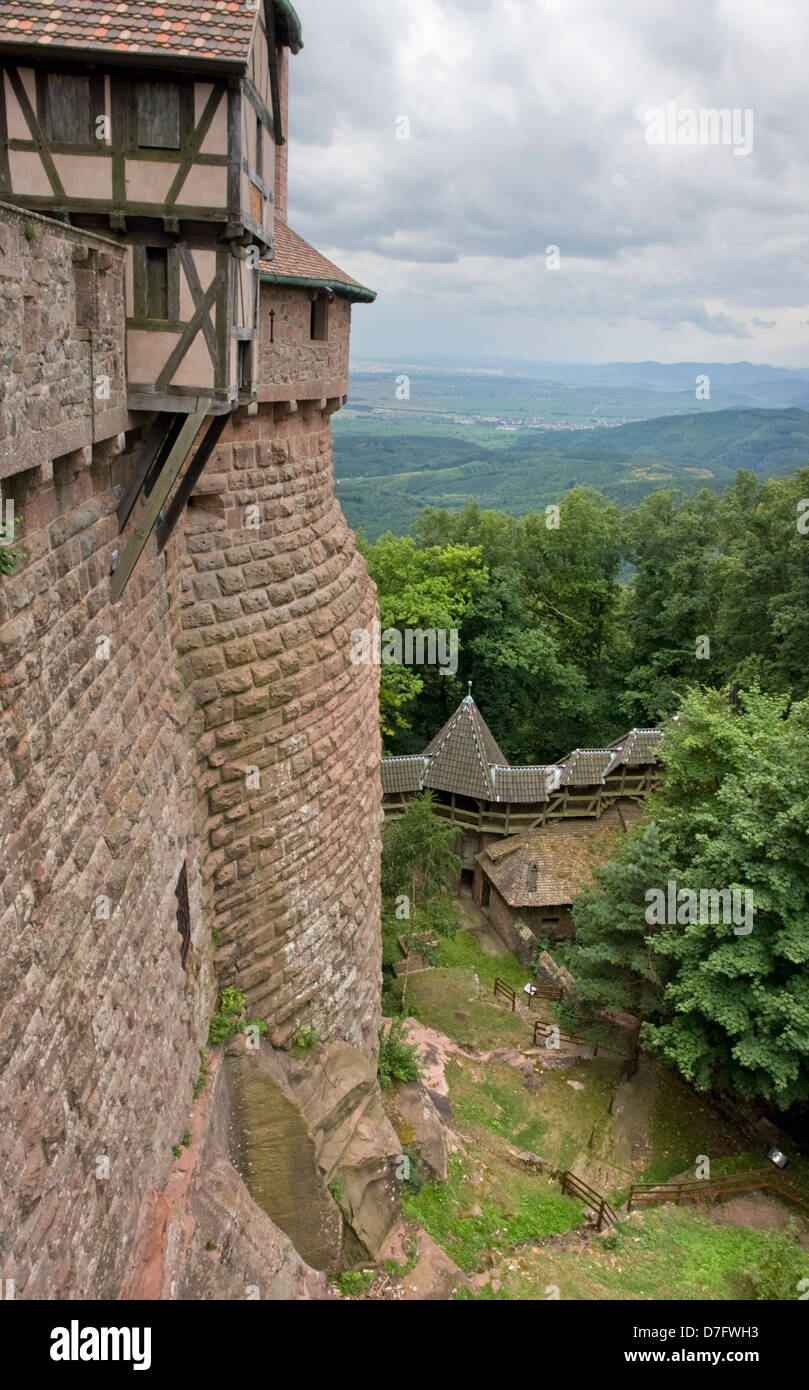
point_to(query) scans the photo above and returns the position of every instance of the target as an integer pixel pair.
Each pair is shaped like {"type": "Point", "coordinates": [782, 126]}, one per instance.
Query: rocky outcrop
{"type": "Point", "coordinates": [203, 1236]}
{"type": "Point", "coordinates": [551, 972]}
{"type": "Point", "coordinates": [236, 1251]}
{"type": "Point", "coordinates": [339, 1147]}
{"type": "Point", "coordinates": [419, 1126]}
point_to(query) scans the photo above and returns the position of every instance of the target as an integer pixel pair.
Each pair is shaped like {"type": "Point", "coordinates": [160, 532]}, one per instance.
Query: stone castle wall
{"type": "Point", "coordinates": [125, 735]}
{"type": "Point", "coordinates": [293, 361]}
{"type": "Point", "coordinates": [61, 332]}
{"type": "Point", "coordinates": [290, 751]}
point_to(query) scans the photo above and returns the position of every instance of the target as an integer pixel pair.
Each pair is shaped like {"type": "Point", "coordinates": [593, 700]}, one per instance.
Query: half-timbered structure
{"type": "Point", "coordinates": [160, 124]}
{"type": "Point", "coordinates": [164, 126]}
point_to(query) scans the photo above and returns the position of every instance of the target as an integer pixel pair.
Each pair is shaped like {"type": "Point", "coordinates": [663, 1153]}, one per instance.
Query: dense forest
{"type": "Point", "coordinates": [575, 625]}
{"type": "Point", "coordinates": [387, 471]}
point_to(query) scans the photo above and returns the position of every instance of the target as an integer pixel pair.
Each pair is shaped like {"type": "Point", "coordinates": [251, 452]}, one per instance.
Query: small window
{"type": "Point", "coordinates": [246, 368]}
{"type": "Point", "coordinates": [67, 109]}
{"type": "Point", "coordinates": [259, 147]}
{"type": "Point", "coordinates": [157, 109]}
{"type": "Point", "coordinates": [183, 915]}
{"type": "Point", "coordinates": [319, 325]}
{"type": "Point", "coordinates": [157, 282]}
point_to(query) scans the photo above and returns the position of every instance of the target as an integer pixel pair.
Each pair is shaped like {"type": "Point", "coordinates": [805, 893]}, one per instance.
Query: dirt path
{"type": "Point", "coordinates": [760, 1212]}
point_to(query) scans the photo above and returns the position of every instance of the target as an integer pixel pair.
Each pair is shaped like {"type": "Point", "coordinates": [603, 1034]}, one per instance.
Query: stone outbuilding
{"type": "Point", "coordinates": [531, 880]}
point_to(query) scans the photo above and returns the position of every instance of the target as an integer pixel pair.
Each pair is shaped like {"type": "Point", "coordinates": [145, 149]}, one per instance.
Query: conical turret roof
{"type": "Point", "coordinates": [463, 754]}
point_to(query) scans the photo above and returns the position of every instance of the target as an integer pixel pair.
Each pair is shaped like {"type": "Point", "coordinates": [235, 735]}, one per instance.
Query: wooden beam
{"type": "Point", "coordinates": [168, 476]}
{"type": "Point", "coordinates": [192, 328]}
{"type": "Point", "coordinates": [191, 477]}
{"type": "Point", "coordinates": [5, 168]}
{"type": "Point", "coordinates": [188, 264]}
{"type": "Point", "coordinates": [157, 443]}
{"type": "Point", "coordinates": [191, 151]}
{"type": "Point", "coordinates": [36, 131]}
{"type": "Point", "coordinates": [278, 134]}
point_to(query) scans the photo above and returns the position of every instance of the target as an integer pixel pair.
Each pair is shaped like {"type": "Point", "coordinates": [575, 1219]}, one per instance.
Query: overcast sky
{"type": "Point", "coordinates": [528, 129]}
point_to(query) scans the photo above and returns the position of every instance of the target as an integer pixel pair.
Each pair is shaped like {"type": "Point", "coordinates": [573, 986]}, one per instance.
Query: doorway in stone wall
{"type": "Point", "coordinates": [467, 881]}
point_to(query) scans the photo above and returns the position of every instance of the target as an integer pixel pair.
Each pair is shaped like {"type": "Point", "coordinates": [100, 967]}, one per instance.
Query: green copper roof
{"type": "Point", "coordinates": [293, 36]}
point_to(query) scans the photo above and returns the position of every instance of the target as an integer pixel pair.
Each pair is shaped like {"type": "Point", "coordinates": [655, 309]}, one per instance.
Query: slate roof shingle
{"type": "Point", "coordinates": [585, 767]}
{"type": "Point", "coordinates": [295, 259]}
{"type": "Point", "coordinates": [637, 747]}
{"type": "Point", "coordinates": [404, 774]}
{"type": "Point", "coordinates": [524, 783]}
{"type": "Point", "coordinates": [210, 29]}
{"type": "Point", "coordinates": [462, 754]}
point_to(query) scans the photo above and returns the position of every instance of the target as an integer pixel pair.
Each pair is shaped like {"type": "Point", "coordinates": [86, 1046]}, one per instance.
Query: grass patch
{"type": "Point", "coordinates": [666, 1254]}
{"type": "Point", "coordinates": [528, 1209]}
{"type": "Point", "coordinates": [444, 999]}
{"type": "Point", "coordinates": [683, 1125]}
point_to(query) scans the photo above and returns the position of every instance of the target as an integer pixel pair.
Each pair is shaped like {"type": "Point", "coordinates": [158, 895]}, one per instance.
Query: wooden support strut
{"type": "Point", "coordinates": [190, 479]}
{"type": "Point", "coordinates": [153, 450]}
{"type": "Point", "coordinates": [168, 476]}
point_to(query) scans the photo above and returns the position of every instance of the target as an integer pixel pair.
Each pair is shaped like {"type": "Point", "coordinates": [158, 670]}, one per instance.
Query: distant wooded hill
{"type": "Point", "coordinates": [386, 473]}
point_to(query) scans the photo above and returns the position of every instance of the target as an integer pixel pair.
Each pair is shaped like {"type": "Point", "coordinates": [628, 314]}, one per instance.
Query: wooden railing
{"type": "Point", "coordinates": [574, 1187]}
{"type": "Point", "coordinates": [503, 819]}
{"type": "Point", "coordinates": [553, 992]}
{"type": "Point", "coordinates": [500, 987]}
{"type": "Point", "coordinates": [544, 1030]}
{"type": "Point", "coordinates": [708, 1189]}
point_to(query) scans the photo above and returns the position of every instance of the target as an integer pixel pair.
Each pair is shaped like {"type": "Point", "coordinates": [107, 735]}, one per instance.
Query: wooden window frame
{"type": "Point", "coordinates": [319, 318]}
{"type": "Point", "coordinates": [97, 107]}
{"type": "Point", "coordinates": [140, 284]}
{"type": "Point", "coordinates": [185, 89]}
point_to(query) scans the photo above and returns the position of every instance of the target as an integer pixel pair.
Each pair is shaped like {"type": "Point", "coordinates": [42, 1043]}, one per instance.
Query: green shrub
{"type": "Point", "coordinates": [778, 1267]}
{"type": "Point", "coordinates": [354, 1282]}
{"type": "Point", "coordinates": [397, 1058]}
{"type": "Point", "coordinates": [413, 1184]}
{"type": "Point", "coordinates": [9, 556]}
{"type": "Point", "coordinates": [229, 1020]}
{"type": "Point", "coordinates": [202, 1080]}
{"type": "Point", "coordinates": [305, 1038]}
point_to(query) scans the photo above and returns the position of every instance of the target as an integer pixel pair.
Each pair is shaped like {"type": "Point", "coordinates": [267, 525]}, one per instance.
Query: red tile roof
{"type": "Point", "coordinates": [295, 259]}
{"type": "Point", "coordinates": [210, 29]}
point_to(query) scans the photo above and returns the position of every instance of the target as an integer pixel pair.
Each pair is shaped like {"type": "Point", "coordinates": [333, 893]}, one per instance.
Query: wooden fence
{"type": "Point", "coordinates": [574, 1187]}
{"type": "Point", "coordinates": [553, 992]}
{"type": "Point", "coordinates": [714, 1189]}
{"type": "Point", "coordinates": [543, 1030]}
{"type": "Point", "coordinates": [500, 987]}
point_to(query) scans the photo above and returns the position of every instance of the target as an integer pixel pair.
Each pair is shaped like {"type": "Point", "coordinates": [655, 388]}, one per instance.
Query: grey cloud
{"type": "Point", "coordinates": [527, 127]}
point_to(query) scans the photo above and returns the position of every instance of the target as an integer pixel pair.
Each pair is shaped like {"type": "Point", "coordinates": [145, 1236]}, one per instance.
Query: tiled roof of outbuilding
{"type": "Point", "coordinates": [464, 758]}
{"type": "Point", "coordinates": [295, 261]}
{"type": "Point", "coordinates": [210, 29]}
{"type": "Point", "coordinates": [585, 767]}
{"type": "Point", "coordinates": [636, 748]}
{"type": "Point", "coordinates": [549, 867]}
{"type": "Point", "coordinates": [524, 783]}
